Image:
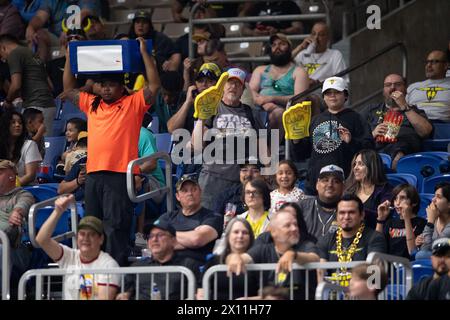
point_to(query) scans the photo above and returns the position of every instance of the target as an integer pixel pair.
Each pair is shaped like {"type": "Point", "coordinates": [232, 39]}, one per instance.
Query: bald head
{"type": "Point", "coordinates": [284, 228]}
{"type": "Point", "coordinates": [436, 65]}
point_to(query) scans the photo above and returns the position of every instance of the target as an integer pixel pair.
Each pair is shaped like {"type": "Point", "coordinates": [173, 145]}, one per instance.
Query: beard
{"type": "Point", "coordinates": [391, 103]}
{"type": "Point", "coordinates": [347, 229]}
{"type": "Point", "coordinates": [281, 59]}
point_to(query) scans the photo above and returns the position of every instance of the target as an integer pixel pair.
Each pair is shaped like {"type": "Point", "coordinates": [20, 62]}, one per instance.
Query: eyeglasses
{"type": "Point", "coordinates": [276, 86]}
{"type": "Point", "coordinates": [253, 193]}
{"type": "Point", "coordinates": [156, 236]}
{"type": "Point", "coordinates": [395, 84]}
{"type": "Point", "coordinates": [434, 61]}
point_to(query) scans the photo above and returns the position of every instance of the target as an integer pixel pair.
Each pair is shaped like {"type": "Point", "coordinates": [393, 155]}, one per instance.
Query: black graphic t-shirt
{"type": "Point", "coordinates": [371, 241]}
{"type": "Point", "coordinates": [328, 148]}
{"type": "Point", "coordinates": [236, 126]}
{"type": "Point", "coordinates": [395, 234]}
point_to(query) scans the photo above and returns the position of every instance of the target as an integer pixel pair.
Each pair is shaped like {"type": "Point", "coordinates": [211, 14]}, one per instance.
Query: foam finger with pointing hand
{"type": "Point", "coordinates": [207, 102]}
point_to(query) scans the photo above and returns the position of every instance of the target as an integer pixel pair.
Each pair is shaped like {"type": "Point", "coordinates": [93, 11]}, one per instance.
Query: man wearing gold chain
{"type": "Point", "coordinates": [352, 241]}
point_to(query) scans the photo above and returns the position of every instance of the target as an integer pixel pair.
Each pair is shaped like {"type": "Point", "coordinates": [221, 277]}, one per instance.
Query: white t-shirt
{"type": "Point", "coordinates": [432, 96]}
{"type": "Point", "coordinates": [81, 287]}
{"type": "Point", "coordinates": [28, 154]}
{"type": "Point", "coordinates": [277, 199]}
{"type": "Point", "coordinates": [321, 65]}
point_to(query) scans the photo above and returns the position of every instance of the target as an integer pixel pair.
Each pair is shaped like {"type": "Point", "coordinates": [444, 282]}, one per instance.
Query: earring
{"type": "Point", "coordinates": [11, 178]}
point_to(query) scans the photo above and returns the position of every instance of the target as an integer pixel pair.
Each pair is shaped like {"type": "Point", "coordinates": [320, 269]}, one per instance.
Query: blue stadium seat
{"type": "Point", "coordinates": [425, 199]}
{"type": "Point", "coordinates": [41, 192]}
{"type": "Point", "coordinates": [441, 154]}
{"type": "Point", "coordinates": [421, 271]}
{"type": "Point", "coordinates": [441, 138]}
{"type": "Point", "coordinates": [398, 178]}
{"type": "Point", "coordinates": [163, 142]}
{"type": "Point", "coordinates": [67, 116]}
{"type": "Point", "coordinates": [59, 127]}
{"type": "Point", "coordinates": [54, 148]}
{"type": "Point", "coordinates": [387, 161]}
{"type": "Point", "coordinates": [67, 108]}
{"type": "Point", "coordinates": [419, 165]}
{"type": "Point", "coordinates": [430, 183]}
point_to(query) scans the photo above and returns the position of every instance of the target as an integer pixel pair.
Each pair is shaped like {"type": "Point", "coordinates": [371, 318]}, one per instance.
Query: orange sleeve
{"type": "Point", "coordinates": [138, 102]}
{"type": "Point", "coordinates": [85, 101]}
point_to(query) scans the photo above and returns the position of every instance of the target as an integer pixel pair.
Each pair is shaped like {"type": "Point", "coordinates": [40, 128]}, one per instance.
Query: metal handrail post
{"type": "Point", "coordinates": [148, 195]}
{"type": "Point", "coordinates": [5, 265]}
{"type": "Point", "coordinates": [32, 216]}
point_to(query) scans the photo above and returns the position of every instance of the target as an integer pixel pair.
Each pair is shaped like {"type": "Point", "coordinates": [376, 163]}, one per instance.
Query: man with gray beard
{"type": "Point", "coordinates": [274, 84]}
{"type": "Point", "coordinates": [235, 122]}
{"type": "Point", "coordinates": [411, 123]}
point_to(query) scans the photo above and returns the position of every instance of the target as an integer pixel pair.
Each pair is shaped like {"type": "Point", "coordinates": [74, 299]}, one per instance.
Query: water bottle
{"type": "Point", "coordinates": [156, 294]}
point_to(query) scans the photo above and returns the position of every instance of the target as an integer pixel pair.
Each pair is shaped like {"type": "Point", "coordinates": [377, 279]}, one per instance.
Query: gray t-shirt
{"type": "Point", "coordinates": [319, 222]}
{"type": "Point", "coordinates": [35, 89]}
{"type": "Point", "coordinates": [232, 123]}
{"type": "Point", "coordinates": [432, 96]}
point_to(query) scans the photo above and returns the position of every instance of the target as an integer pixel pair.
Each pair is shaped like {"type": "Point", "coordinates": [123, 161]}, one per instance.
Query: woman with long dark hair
{"type": "Point", "coordinates": [368, 182]}
{"type": "Point", "coordinates": [14, 146]}
{"type": "Point", "coordinates": [238, 239]}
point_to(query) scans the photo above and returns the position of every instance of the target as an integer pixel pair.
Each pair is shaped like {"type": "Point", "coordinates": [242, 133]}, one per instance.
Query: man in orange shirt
{"type": "Point", "coordinates": [114, 122]}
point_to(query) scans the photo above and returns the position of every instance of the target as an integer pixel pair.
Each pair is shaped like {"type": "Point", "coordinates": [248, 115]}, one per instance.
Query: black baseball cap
{"type": "Point", "coordinates": [160, 224]}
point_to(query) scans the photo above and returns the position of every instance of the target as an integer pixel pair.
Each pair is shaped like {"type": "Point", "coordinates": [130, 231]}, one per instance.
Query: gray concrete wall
{"type": "Point", "coordinates": [422, 26]}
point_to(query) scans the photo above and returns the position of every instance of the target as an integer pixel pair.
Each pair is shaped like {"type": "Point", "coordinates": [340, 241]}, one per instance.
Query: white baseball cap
{"type": "Point", "coordinates": [335, 83]}
{"type": "Point", "coordinates": [237, 74]}
{"type": "Point", "coordinates": [332, 169]}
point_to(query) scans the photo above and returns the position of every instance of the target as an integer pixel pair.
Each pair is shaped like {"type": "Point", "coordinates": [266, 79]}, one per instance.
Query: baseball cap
{"type": "Point", "coordinates": [82, 134]}
{"type": "Point", "coordinates": [6, 164]}
{"type": "Point", "coordinates": [236, 73]}
{"type": "Point", "coordinates": [185, 178]}
{"type": "Point", "coordinates": [141, 14]}
{"type": "Point", "coordinates": [336, 83]}
{"type": "Point", "coordinates": [440, 246]}
{"type": "Point", "coordinates": [333, 170]}
{"type": "Point", "coordinates": [160, 224]}
{"type": "Point", "coordinates": [91, 222]}
{"type": "Point", "coordinates": [209, 70]}
{"type": "Point", "coordinates": [204, 35]}
{"type": "Point", "coordinates": [280, 36]}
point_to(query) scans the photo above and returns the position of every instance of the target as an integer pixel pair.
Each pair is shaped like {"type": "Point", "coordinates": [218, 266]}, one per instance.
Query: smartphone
{"type": "Point", "coordinates": [82, 168]}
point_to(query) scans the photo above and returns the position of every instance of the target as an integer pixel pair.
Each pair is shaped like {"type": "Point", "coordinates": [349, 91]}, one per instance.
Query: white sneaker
{"type": "Point", "coordinates": [140, 241]}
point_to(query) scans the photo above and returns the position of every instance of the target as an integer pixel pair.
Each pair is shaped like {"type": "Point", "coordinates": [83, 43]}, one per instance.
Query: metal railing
{"type": "Point", "coordinates": [44, 274]}
{"type": "Point", "coordinates": [400, 274]}
{"type": "Point", "coordinates": [32, 216]}
{"type": "Point", "coordinates": [148, 195]}
{"type": "Point", "coordinates": [330, 291]}
{"type": "Point", "coordinates": [398, 269]}
{"type": "Point", "coordinates": [212, 272]}
{"type": "Point", "coordinates": [381, 52]}
{"type": "Point", "coordinates": [5, 265]}
{"type": "Point", "coordinates": [291, 17]}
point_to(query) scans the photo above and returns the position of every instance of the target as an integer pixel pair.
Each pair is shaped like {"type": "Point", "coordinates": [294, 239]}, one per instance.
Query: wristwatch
{"type": "Point", "coordinates": [408, 108]}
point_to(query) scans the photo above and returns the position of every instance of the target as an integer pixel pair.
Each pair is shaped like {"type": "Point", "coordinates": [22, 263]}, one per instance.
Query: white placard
{"type": "Point", "coordinates": [99, 58]}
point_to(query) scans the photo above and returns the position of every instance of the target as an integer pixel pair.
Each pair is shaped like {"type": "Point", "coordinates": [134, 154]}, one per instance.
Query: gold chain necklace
{"type": "Point", "coordinates": [343, 277]}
